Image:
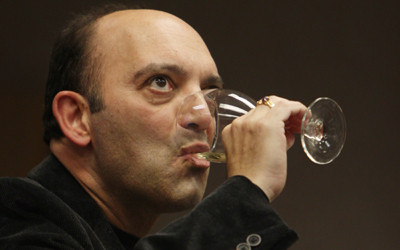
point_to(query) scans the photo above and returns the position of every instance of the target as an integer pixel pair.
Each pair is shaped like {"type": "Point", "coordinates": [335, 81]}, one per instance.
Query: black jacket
{"type": "Point", "coordinates": [50, 210]}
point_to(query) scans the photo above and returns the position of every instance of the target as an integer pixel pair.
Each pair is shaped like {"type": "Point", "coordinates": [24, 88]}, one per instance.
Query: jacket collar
{"type": "Point", "coordinates": [54, 177]}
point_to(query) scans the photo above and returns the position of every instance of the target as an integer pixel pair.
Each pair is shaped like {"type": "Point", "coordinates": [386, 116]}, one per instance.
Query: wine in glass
{"type": "Point", "coordinates": [323, 131]}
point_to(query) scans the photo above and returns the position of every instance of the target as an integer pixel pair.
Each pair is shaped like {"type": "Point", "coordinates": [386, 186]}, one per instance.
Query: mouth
{"type": "Point", "coordinates": [190, 152]}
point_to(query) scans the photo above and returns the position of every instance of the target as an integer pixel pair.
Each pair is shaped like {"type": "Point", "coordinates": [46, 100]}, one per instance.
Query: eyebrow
{"type": "Point", "coordinates": [154, 67]}
{"type": "Point", "coordinates": [214, 80]}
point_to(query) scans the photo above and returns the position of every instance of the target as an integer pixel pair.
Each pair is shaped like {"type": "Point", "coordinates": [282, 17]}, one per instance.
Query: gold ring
{"type": "Point", "coordinates": [266, 101]}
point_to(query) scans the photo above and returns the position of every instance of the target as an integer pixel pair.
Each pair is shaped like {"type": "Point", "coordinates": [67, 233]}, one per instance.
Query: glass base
{"type": "Point", "coordinates": [324, 133]}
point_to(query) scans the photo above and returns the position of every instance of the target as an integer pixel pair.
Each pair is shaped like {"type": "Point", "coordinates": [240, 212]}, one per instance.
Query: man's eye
{"type": "Point", "coordinates": [161, 83]}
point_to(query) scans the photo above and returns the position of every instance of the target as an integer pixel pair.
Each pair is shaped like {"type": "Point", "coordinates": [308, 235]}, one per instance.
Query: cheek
{"type": "Point", "coordinates": [157, 123]}
{"type": "Point", "coordinates": [139, 124]}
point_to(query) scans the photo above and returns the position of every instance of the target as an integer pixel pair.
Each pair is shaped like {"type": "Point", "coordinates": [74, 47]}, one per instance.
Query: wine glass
{"type": "Point", "coordinates": [323, 130]}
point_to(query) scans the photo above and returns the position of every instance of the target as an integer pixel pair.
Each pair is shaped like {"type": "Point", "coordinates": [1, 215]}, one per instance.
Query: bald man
{"type": "Point", "coordinates": [119, 160]}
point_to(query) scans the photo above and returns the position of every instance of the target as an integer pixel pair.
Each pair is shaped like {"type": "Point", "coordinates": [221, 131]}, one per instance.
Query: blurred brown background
{"type": "Point", "coordinates": [347, 50]}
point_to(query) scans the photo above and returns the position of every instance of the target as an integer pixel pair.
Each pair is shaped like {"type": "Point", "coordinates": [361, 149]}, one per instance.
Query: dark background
{"type": "Point", "coordinates": [347, 50]}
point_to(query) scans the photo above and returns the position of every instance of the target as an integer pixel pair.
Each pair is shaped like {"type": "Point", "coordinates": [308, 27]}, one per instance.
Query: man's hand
{"type": "Point", "coordinates": [256, 144]}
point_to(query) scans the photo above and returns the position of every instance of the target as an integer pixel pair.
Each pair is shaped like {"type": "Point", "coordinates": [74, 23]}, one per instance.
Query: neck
{"type": "Point", "coordinates": [128, 215]}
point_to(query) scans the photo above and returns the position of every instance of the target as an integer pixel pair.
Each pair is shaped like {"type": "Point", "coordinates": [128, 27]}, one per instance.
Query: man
{"type": "Point", "coordinates": [119, 160]}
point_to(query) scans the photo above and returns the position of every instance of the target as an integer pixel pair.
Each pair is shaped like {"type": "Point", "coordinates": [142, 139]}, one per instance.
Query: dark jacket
{"type": "Point", "coordinates": [51, 210]}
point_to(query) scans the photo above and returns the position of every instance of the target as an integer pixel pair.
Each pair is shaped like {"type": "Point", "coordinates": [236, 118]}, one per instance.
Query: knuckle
{"type": "Point", "coordinates": [262, 125]}
{"type": "Point", "coordinates": [237, 123]}
{"type": "Point", "coordinates": [225, 133]}
{"type": "Point", "coordinates": [298, 103]}
{"type": "Point", "coordinates": [273, 96]}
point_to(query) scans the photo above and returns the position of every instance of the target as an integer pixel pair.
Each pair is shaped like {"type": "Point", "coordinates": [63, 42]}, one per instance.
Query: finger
{"type": "Point", "coordinates": [293, 126]}
{"type": "Point", "coordinates": [285, 109]}
{"type": "Point", "coordinates": [289, 112]}
{"type": "Point", "coordinates": [254, 114]}
{"type": "Point", "coordinates": [290, 139]}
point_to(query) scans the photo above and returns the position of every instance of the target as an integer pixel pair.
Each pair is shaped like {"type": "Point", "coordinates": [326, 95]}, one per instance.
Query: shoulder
{"type": "Point", "coordinates": [19, 194]}
{"type": "Point", "coordinates": [24, 200]}
{"type": "Point", "coordinates": [30, 214]}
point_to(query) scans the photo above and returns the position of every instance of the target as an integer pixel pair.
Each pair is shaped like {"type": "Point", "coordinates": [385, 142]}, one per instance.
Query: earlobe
{"type": "Point", "coordinates": [71, 111]}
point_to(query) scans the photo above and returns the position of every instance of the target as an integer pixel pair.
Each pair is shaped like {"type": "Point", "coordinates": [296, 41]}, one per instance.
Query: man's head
{"type": "Point", "coordinates": [149, 62]}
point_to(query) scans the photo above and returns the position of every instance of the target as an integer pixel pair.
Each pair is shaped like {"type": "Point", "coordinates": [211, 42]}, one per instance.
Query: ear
{"type": "Point", "coordinates": [72, 112]}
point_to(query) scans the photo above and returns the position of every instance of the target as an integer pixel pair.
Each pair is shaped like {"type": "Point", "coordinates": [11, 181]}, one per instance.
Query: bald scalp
{"type": "Point", "coordinates": [140, 17]}
{"type": "Point", "coordinates": [138, 24]}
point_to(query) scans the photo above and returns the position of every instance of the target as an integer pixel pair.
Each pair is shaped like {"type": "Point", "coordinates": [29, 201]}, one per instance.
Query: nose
{"type": "Point", "coordinates": [196, 113]}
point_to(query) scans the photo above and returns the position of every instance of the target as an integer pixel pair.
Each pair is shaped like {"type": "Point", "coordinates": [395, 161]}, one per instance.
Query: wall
{"type": "Point", "coordinates": [347, 50]}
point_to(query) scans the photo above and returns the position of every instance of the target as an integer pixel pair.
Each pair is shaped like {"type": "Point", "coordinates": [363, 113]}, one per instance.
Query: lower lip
{"type": "Point", "coordinates": [197, 162]}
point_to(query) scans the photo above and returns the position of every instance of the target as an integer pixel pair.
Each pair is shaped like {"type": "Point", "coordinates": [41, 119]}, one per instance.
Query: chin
{"type": "Point", "coordinates": [182, 202]}
{"type": "Point", "coordinates": [186, 193]}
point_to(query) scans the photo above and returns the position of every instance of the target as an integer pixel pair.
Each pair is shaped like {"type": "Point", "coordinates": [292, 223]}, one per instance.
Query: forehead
{"type": "Point", "coordinates": [145, 33]}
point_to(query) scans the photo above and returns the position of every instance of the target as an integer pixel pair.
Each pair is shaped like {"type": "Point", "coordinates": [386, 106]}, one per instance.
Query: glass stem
{"type": "Point", "coordinates": [315, 130]}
